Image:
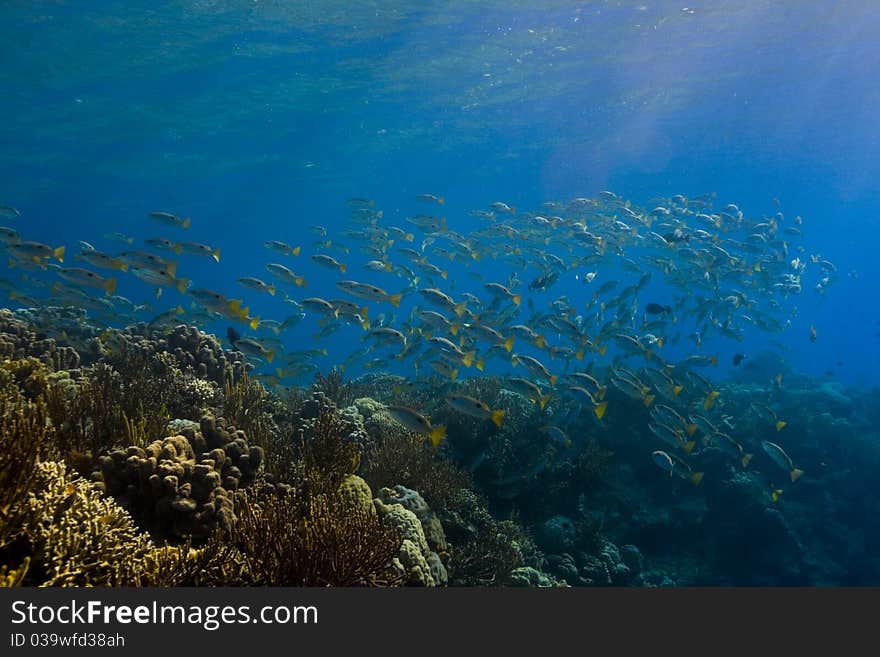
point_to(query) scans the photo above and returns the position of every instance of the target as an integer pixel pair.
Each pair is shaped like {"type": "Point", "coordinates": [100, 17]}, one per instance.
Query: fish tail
{"type": "Point", "coordinates": [776, 494]}
{"type": "Point", "coordinates": [795, 474]}
{"type": "Point", "coordinates": [110, 285]}
{"type": "Point", "coordinates": [59, 253]}
{"type": "Point", "coordinates": [676, 390]}
{"type": "Point", "coordinates": [600, 391]}
{"type": "Point", "coordinates": [172, 269]}
{"type": "Point", "coordinates": [394, 299]}
{"type": "Point", "coordinates": [186, 222]}
{"type": "Point", "coordinates": [603, 349]}
{"type": "Point", "coordinates": [177, 248]}
{"type": "Point", "coordinates": [691, 429]}
{"type": "Point", "coordinates": [343, 267]}
{"type": "Point", "coordinates": [300, 281]}
{"type": "Point", "coordinates": [216, 254]}
{"type": "Point", "coordinates": [123, 266]}
{"type": "Point", "coordinates": [479, 364]}
{"type": "Point", "coordinates": [696, 478]}
{"type": "Point", "coordinates": [542, 402]}
{"type": "Point", "coordinates": [508, 344]}
{"type": "Point", "coordinates": [453, 375]}
{"type": "Point", "coordinates": [517, 299]}
{"type": "Point", "coordinates": [270, 355]}
{"type": "Point", "coordinates": [409, 237]}
{"type": "Point", "coordinates": [780, 425]}
{"type": "Point", "coordinates": [649, 399]}
{"type": "Point", "coordinates": [468, 358]}
{"type": "Point", "coordinates": [437, 435]}
{"type": "Point", "coordinates": [689, 446]}
{"type": "Point", "coordinates": [254, 323]}
{"type": "Point", "coordinates": [454, 328]}
{"type": "Point", "coordinates": [181, 284]}
{"type": "Point", "coordinates": [600, 408]}
{"type": "Point", "coordinates": [552, 379]}
{"type": "Point", "coordinates": [460, 308]}
{"type": "Point", "coordinates": [295, 250]}
{"type": "Point", "coordinates": [745, 460]}
{"type": "Point", "coordinates": [579, 354]}
{"type": "Point", "coordinates": [498, 417]}
{"type": "Point", "coordinates": [271, 290]}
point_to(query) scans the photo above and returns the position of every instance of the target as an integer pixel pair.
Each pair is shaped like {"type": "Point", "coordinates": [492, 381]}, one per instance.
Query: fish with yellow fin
{"type": "Point", "coordinates": [475, 408]}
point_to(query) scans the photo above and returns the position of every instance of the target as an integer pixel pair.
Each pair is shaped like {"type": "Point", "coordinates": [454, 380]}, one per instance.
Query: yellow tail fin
{"type": "Point", "coordinates": [468, 358]}
{"type": "Point", "coordinates": [110, 285]}
{"type": "Point", "coordinates": [394, 300]}
{"type": "Point", "coordinates": [745, 460]}
{"type": "Point", "coordinates": [172, 269]}
{"type": "Point", "coordinates": [508, 343]}
{"type": "Point", "coordinates": [437, 435]}
{"type": "Point", "coordinates": [542, 402]}
{"type": "Point", "coordinates": [342, 268]}
{"type": "Point", "coordinates": [295, 251]}
{"type": "Point", "coordinates": [689, 446]}
{"type": "Point", "coordinates": [780, 425]}
{"type": "Point", "coordinates": [216, 255]}
{"type": "Point", "coordinates": [59, 253]}
{"type": "Point", "coordinates": [453, 375]}
{"type": "Point", "coordinates": [600, 408]}
{"type": "Point", "coordinates": [187, 222]}
{"type": "Point", "coordinates": [271, 290]}
{"type": "Point", "coordinates": [697, 477]}
{"type": "Point", "coordinates": [553, 379]}
{"type": "Point", "coordinates": [498, 416]}
{"type": "Point", "coordinates": [479, 364]}
{"type": "Point", "coordinates": [776, 494]}
{"type": "Point", "coordinates": [460, 308]}
{"type": "Point", "coordinates": [181, 284]}
{"type": "Point", "coordinates": [517, 299]}
{"type": "Point", "coordinates": [691, 429]}
{"type": "Point", "coordinates": [254, 323]}
{"type": "Point", "coordinates": [795, 474]}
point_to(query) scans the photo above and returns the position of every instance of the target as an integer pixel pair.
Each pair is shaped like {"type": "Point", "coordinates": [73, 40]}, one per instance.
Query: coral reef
{"type": "Point", "coordinates": [182, 485]}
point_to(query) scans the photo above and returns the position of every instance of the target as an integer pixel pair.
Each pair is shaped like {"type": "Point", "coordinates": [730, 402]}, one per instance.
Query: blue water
{"type": "Point", "coordinates": [258, 119]}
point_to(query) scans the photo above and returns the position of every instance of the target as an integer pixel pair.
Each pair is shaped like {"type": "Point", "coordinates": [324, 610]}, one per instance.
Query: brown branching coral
{"type": "Point", "coordinates": [316, 540]}
{"type": "Point", "coordinates": [326, 454]}
{"type": "Point", "coordinates": [334, 387]}
{"type": "Point", "coordinates": [77, 537]}
{"type": "Point", "coordinates": [99, 412]}
{"type": "Point", "coordinates": [24, 439]}
{"type": "Point", "coordinates": [401, 457]}
{"type": "Point", "coordinates": [216, 563]}
{"type": "Point", "coordinates": [250, 407]}
{"type": "Point", "coordinates": [483, 551]}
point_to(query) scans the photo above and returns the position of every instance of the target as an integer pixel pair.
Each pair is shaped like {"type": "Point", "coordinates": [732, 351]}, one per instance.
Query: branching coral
{"type": "Point", "coordinates": [24, 439]}
{"type": "Point", "coordinates": [334, 387]}
{"type": "Point", "coordinates": [401, 457]}
{"type": "Point", "coordinates": [77, 537]}
{"type": "Point", "coordinates": [315, 540]}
